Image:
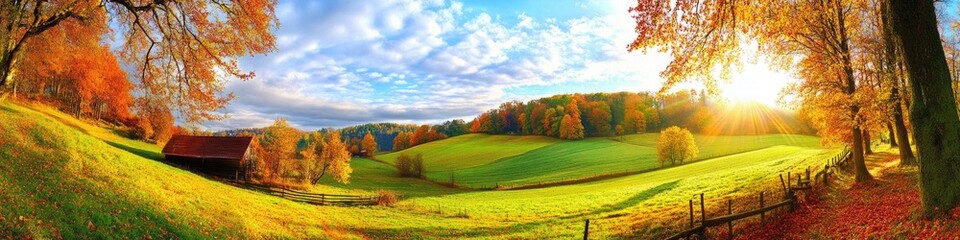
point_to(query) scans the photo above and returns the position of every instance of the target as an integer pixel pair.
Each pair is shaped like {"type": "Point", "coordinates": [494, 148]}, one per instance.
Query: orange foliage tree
{"type": "Point", "coordinates": [401, 141]}
{"type": "Point", "coordinates": [181, 49]}
{"type": "Point", "coordinates": [570, 125]}
{"type": "Point", "coordinates": [701, 37]}
{"type": "Point", "coordinates": [369, 145]}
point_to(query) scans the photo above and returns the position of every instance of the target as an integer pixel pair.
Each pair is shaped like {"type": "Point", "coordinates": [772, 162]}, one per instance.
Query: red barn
{"type": "Point", "coordinates": [219, 156]}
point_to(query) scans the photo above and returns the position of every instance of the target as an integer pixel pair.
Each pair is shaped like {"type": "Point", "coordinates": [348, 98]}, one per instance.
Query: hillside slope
{"type": "Point", "coordinates": [64, 178]}
{"type": "Point", "coordinates": [484, 161]}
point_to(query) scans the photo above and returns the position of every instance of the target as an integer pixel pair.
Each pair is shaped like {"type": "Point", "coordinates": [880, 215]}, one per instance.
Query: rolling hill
{"type": "Point", "coordinates": [65, 178]}
{"type": "Point", "coordinates": [484, 161]}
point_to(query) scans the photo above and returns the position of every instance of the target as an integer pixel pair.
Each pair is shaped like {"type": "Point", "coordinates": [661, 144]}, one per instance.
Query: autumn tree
{"type": "Point", "coordinates": [369, 145]}
{"type": "Point", "coordinates": [181, 51]}
{"type": "Point", "coordinates": [71, 68]}
{"type": "Point", "coordinates": [571, 128]}
{"type": "Point", "coordinates": [311, 156]}
{"type": "Point", "coordinates": [401, 141]}
{"type": "Point", "coordinates": [336, 159]}
{"type": "Point", "coordinates": [891, 68]}
{"type": "Point", "coordinates": [933, 109]}
{"type": "Point", "coordinates": [570, 125]}
{"type": "Point", "coordinates": [279, 142]}
{"type": "Point", "coordinates": [155, 122]}
{"type": "Point", "coordinates": [253, 164]}
{"type": "Point", "coordinates": [333, 158]}
{"type": "Point", "coordinates": [701, 37]}
{"type": "Point", "coordinates": [675, 145]}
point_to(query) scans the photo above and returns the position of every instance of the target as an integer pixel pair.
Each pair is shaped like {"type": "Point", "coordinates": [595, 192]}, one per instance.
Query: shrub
{"type": "Point", "coordinates": [410, 166]}
{"type": "Point", "coordinates": [386, 198]}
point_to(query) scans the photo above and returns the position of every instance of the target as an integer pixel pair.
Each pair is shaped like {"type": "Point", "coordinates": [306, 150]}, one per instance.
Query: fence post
{"type": "Point", "coordinates": [730, 223]}
{"type": "Point", "coordinates": [691, 213]}
{"type": "Point", "coordinates": [826, 175]}
{"type": "Point", "coordinates": [703, 217]}
{"type": "Point", "coordinates": [586, 230]}
{"type": "Point", "coordinates": [761, 206]}
{"type": "Point", "coordinates": [808, 176]}
{"type": "Point", "coordinates": [783, 185]}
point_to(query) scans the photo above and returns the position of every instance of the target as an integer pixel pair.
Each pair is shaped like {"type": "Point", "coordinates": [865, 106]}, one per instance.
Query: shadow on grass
{"type": "Point", "coordinates": [139, 152]}
{"type": "Point", "coordinates": [64, 121]}
{"type": "Point", "coordinates": [7, 109]}
{"type": "Point", "coordinates": [639, 197]}
{"type": "Point", "coordinates": [448, 232]}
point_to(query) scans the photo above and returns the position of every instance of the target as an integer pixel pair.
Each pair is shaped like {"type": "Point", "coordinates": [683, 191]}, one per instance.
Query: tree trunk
{"type": "Point", "coordinates": [903, 137]}
{"type": "Point", "coordinates": [933, 110]}
{"type": "Point", "coordinates": [7, 61]}
{"type": "Point", "coordinates": [862, 174]}
{"type": "Point", "coordinates": [860, 167]}
{"type": "Point", "coordinates": [895, 75]}
{"type": "Point", "coordinates": [893, 136]}
{"type": "Point", "coordinates": [867, 149]}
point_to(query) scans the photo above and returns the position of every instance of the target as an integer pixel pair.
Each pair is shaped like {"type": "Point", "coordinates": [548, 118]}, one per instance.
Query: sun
{"type": "Point", "coordinates": [756, 83]}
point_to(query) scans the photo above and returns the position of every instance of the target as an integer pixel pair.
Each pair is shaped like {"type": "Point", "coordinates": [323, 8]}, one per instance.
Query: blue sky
{"type": "Point", "coordinates": [342, 63]}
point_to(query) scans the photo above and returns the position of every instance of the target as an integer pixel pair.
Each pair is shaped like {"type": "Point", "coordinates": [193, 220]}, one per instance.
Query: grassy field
{"type": "Point", "coordinates": [60, 177]}
{"type": "Point", "coordinates": [471, 150]}
{"type": "Point", "coordinates": [484, 161]}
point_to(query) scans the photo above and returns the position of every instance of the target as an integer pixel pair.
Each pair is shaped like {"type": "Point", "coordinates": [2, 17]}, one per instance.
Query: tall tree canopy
{"type": "Point", "coordinates": [813, 37]}
{"type": "Point", "coordinates": [182, 50]}
{"type": "Point", "coordinates": [819, 39]}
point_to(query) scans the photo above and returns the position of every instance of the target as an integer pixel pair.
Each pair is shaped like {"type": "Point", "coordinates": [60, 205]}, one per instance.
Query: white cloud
{"type": "Point", "coordinates": [350, 62]}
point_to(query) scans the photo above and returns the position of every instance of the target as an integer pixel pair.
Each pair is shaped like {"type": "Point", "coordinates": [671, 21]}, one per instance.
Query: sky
{"type": "Point", "coordinates": [343, 63]}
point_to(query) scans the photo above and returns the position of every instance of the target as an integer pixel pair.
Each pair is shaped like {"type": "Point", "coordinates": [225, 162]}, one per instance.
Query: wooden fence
{"type": "Point", "coordinates": [311, 198]}
{"type": "Point", "coordinates": [789, 199]}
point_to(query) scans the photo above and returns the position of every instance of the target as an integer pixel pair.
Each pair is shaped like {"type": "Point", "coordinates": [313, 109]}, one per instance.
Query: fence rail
{"type": "Point", "coordinates": [789, 199]}
{"type": "Point", "coordinates": [311, 198]}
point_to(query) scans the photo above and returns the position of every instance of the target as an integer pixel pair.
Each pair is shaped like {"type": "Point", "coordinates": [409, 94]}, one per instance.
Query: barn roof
{"type": "Point", "coordinates": [207, 147]}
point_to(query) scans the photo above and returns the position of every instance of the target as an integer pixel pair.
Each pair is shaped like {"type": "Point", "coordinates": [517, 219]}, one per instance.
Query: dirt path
{"type": "Point", "coordinates": [887, 208]}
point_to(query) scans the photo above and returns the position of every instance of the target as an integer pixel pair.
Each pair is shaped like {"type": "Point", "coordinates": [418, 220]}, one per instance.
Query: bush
{"type": "Point", "coordinates": [410, 166]}
{"type": "Point", "coordinates": [386, 198]}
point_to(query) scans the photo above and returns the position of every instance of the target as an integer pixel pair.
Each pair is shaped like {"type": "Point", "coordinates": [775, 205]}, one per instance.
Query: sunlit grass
{"type": "Point", "coordinates": [66, 180]}
{"type": "Point", "coordinates": [470, 160]}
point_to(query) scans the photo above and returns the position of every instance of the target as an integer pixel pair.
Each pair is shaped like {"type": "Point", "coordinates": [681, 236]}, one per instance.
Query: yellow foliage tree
{"type": "Point", "coordinates": [280, 145]}
{"type": "Point", "coordinates": [676, 145]}
{"type": "Point", "coordinates": [336, 160]}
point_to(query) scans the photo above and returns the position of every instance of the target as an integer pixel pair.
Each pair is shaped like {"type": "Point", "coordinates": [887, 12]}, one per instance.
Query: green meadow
{"type": "Point", "coordinates": [484, 161]}
{"type": "Point", "coordinates": [65, 178]}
